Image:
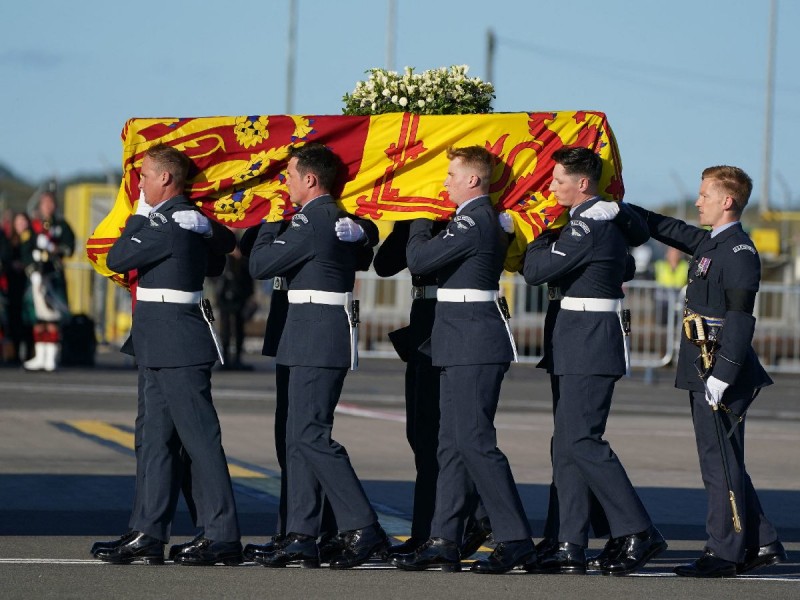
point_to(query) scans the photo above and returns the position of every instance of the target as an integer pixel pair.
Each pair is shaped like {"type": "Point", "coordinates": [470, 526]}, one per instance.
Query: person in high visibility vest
{"type": "Point", "coordinates": [671, 273]}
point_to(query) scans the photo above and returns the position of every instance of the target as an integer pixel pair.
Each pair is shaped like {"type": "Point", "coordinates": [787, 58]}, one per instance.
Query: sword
{"type": "Point", "coordinates": [737, 524]}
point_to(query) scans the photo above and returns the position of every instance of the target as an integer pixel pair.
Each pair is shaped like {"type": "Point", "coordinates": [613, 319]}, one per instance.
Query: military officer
{"type": "Point", "coordinates": [173, 340]}
{"type": "Point", "coordinates": [422, 395]}
{"type": "Point", "coordinates": [318, 346]}
{"type": "Point", "coordinates": [723, 375]}
{"type": "Point", "coordinates": [365, 234]}
{"type": "Point", "coordinates": [588, 259]}
{"type": "Point", "coordinates": [472, 344]}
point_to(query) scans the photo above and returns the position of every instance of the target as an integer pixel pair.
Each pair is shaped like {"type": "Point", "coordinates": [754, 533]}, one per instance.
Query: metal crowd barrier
{"type": "Point", "coordinates": [656, 317]}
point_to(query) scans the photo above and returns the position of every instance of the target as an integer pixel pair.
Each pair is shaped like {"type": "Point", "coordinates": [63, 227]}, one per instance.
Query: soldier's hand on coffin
{"type": "Point", "coordinates": [348, 230]}
{"type": "Point", "coordinates": [193, 221]}
{"type": "Point", "coordinates": [506, 222]}
{"type": "Point", "coordinates": [143, 208]}
{"type": "Point", "coordinates": [714, 390]}
{"type": "Point", "coordinates": [601, 211]}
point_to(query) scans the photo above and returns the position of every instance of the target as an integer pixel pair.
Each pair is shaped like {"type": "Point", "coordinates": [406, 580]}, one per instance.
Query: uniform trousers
{"type": "Point", "coordinates": [756, 529]}
{"type": "Point", "coordinates": [597, 517]}
{"type": "Point", "coordinates": [422, 432]}
{"type": "Point", "coordinates": [185, 481]}
{"type": "Point", "coordinates": [328, 526]}
{"type": "Point", "coordinates": [317, 465]}
{"type": "Point", "coordinates": [584, 463]}
{"type": "Point", "coordinates": [179, 411]}
{"type": "Point", "coordinates": [469, 458]}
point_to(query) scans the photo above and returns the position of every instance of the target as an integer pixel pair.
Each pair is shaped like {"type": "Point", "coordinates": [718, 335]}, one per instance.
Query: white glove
{"type": "Point", "coordinates": [143, 208]}
{"type": "Point", "coordinates": [714, 390]}
{"type": "Point", "coordinates": [506, 222]}
{"type": "Point", "coordinates": [601, 211]}
{"type": "Point", "coordinates": [348, 230]}
{"type": "Point", "coordinates": [192, 220]}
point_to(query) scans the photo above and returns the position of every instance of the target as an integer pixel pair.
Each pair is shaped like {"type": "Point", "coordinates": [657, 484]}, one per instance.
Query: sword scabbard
{"type": "Point", "coordinates": [737, 524]}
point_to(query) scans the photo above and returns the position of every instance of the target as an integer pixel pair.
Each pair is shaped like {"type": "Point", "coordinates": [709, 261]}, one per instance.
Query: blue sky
{"type": "Point", "coordinates": [682, 82]}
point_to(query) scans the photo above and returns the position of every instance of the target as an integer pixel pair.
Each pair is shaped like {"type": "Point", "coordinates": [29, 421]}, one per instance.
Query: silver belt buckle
{"type": "Point", "coordinates": [278, 283]}
{"type": "Point", "coordinates": [417, 292]}
{"type": "Point", "coordinates": [554, 293]}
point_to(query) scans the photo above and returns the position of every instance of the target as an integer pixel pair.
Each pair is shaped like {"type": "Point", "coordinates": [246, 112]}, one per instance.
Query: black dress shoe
{"type": "Point", "coordinates": [407, 547]}
{"type": "Point", "coordinates": [609, 552]}
{"type": "Point", "coordinates": [635, 551]}
{"type": "Point", "coordinates": [435, 553]}
{"type": "Point", "coordinates": [546, 546]}
{"type": "Point", "coordinates": [296, 548]}
{"type": "Point", "coordinates": [252, 550]}
{"type": "Point", "coordinates": [564, 558]}
{"type": "Point", "coordinates": [475, 534]}
{"type": "Point", "coordinates": [755, 558]}
{"type": "Point", "coordinates": [505, 557]}
{"type": "Point", "coordinates": [331, 545]}
{"type": "Point", "coordinates": [708, 565]}
{"type": "Point", "coordinates": [110, 545]}
{"type": "Point", "coordinates": [205, 552]}
{"type": "Point", "coordinates": [175, 549]}
{"type": "Point", "coordinates": [360, 546]}
{"type": "Point", "coordinates": [139, 547]}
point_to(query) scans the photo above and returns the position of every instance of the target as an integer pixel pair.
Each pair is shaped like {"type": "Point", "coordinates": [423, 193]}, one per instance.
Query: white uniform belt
{"type": "Point", "coordinates": [421, 292]}
{"type": "Point", "coordinates": [591, 304]}
{"type": "Point", "coordinates": [319, 297]}
{"type": "Point", "coordinates": [167, 295]}
{"type": "Point", "coordinates": [466, 295]}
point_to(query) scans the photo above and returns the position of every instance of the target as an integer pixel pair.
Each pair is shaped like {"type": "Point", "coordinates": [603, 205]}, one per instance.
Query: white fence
{"type": "Point", "coordinates": [655, 316]}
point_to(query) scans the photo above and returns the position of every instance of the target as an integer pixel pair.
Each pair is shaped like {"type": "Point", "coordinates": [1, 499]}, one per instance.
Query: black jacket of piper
{"type": "Point", "coordinates": [588, 260]}
{"type": "Point", "coordinates": [468, 254]}
{"type": "Point", "coordinates": [311, 257]}
{"type": "Point", "coordinates": [727, 289]}
{"type": "Point", "coordinates": [165, 334]}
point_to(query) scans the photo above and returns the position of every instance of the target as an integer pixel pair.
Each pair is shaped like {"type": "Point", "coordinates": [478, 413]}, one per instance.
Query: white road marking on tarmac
{"type": "Point", "coordinates": [375, 566]}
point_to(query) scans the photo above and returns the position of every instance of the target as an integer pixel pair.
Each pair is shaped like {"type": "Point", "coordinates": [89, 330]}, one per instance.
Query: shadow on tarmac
{"type": "Point", "coordinates": [74, 505]}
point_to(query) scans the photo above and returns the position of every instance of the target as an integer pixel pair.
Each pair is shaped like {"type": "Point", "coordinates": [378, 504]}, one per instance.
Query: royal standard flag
{"type": "Point", "coordinates": [395, 166]}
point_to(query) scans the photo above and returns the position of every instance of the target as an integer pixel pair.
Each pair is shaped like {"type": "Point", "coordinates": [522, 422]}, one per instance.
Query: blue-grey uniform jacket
{"type": "Point", "coordinates": [311, 257]}
{"type": "Point", "coordinates": [165, 334]}
{"type": "Point", "coordinates": [468, 254]}
{"type": "Point", "coordinates": [588, 260]}
{"type": "Point", "coordinates": [724, 277]}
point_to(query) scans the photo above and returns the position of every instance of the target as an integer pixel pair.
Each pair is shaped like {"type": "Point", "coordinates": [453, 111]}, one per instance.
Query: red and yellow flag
{"type": "Point", "coordinates": [396, 165]}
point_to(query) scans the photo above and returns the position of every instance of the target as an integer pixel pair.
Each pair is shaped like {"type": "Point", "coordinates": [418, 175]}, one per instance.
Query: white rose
{"type": "Point", "coordinates": [403, 101]}
{"type": "Point", "coordinates": [420, 103]}
{"type": "Point", "coordinates": [386, 92]}
{"type": "Point", "coordinates": [394, 99]}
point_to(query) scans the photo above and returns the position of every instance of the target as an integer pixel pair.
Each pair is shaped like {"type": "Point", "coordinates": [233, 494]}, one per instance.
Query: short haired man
{"type": "Point", "coordinates": [472, 344]}
{"type": "Point", "coordinates": [318, 347]}
{"type": "Point", "coordinates": [589, 259]}
{"type": "Point", "coordinates": [724, 277]}
{"type": "Point", "coordinates": [175, 348]}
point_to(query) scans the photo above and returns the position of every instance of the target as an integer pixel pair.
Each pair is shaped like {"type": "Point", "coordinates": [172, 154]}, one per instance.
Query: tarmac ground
{"type": "Point", "coordinates": [67, 475]}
